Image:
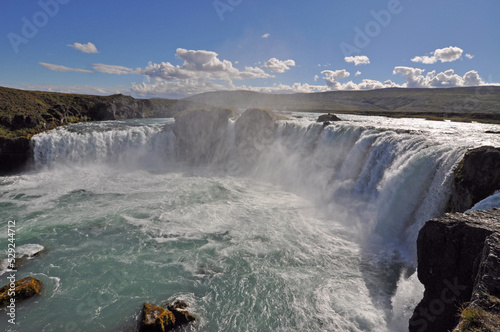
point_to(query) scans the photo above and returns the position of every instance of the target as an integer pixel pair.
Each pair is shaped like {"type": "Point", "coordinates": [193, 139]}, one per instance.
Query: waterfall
{"type": "Point", "coordinates": [386, 183]}
{"type": "Point", "coordinates": [320, 222]}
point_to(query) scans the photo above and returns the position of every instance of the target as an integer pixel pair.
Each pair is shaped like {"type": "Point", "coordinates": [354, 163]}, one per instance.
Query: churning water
{"type": "Point", "coordinates": [315, 233]}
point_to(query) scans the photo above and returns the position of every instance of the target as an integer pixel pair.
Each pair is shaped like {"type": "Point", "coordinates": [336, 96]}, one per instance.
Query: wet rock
{"type": "Point", "coordinates": [159, 319]}
{"type": "Point", "coordinates": [255, 130]}
{"type": "Point", "coordinates": [23, 289]}
{"type": "Point", "coordinates": [328, 117]}
{"type": "Point", "coordinates": [477, 176]}
{"type": "Point", "coordinates": [458, 263]}
{"type": "Point", "coordinates": [23, 254]}
{"type": "Point", "coordinates": [199, 133]}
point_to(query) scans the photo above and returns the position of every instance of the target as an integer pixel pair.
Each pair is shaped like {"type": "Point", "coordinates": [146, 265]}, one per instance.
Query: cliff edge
{"type": "Point", "coordinates": [477, 176]}
{"type": "Point", "coordinates": [459, 265]}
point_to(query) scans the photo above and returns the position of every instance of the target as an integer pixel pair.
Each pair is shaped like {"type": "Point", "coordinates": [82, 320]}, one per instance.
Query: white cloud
{"type": "Point", "coordinates": [316, 77]}
{"type": "Point", "coordinates": [85, 48]}
{"type": "Point", "coordinates": [266, 35]}
{"type": "Point", "coordinates": [277, 66]}
{"type": "Point", "coordinates": [469, 56]}
{"type": "Point", "coordinates": [447, 54]}
{"type": "Point", "coordinates": [200, 65]}
{"type": "Point", "coordinates": [415, 79]}
{"type": "Point", "coordinates": [357, 73]}
{"type": "Point", "coordinates": [358, 59]}
{"type": "Point", "coordinates": [332, 77]}
{"type": "Point", "coordinates": [63, 68]}
{"type": "Point", "coordinates": [113, 69]}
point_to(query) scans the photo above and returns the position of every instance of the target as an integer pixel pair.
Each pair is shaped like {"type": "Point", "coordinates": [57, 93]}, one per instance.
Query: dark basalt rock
{"type": "Point", "coordinates": [328, 117]}
{"type": "Point", "coordinates": [14, 154]}
{"type": "Point", "coordinates": [23, 288]}
{"type": "Point", "coordinates": [477, 176]}
{"type": "Point", "coordinates": [458, 263]}
{"type": "Point", "coordinates": [159, 319]}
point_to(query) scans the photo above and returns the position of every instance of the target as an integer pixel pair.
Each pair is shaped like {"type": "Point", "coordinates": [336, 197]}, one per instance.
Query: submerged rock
{"type": "Point", "coordinates": [328, 117]}
{"type": "Point", "coordinates": [22, 289]}
{"type": "Point", "coordinates": [159, 319]}
{"type": "Point", "coordinates": [477, 176]}
{"type": "Point", "coordinates": [458, 263]}
{"type": "Point", "coordinates": [23, 254]}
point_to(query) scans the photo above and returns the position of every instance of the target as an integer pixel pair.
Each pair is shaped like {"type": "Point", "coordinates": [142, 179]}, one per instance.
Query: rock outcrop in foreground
{"type": "Point", "coordinates": [476, 177]}
{"type": "Point", "coordinates": [19, 290]}
{"type": "Point", "coordinates": [459, 265]}
{"type": "Point", "coordinates": [159, 319]}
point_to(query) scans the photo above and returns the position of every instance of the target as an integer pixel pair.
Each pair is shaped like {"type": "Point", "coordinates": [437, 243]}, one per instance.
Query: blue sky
{"type": "Point", "coordinates": [174, 48]}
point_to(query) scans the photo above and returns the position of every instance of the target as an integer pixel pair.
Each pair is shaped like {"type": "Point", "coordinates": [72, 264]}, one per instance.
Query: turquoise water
{"type": "Point", "coordinates": [318, 235]}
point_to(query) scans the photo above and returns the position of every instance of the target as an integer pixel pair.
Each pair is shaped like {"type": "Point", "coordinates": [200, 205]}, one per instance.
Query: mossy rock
{"type": "Point", "coordinates": [24, 288]}
{"type": "Point", "coordinates": [159, 319]}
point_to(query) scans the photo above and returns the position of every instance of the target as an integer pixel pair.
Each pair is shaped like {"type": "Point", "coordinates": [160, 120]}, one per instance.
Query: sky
{"type": "Point", "coordinates": [177, 48]}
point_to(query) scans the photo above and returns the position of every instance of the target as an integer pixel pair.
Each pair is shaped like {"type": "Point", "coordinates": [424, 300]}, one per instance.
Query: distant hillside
{"type": "Point", "coordinates": [472, 103]}
{"type": "Point", "coordinates": [27, 112]}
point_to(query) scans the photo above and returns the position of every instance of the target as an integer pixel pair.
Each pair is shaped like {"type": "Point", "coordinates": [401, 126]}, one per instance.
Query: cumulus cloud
{"type": "Point", "coordinates": [357, 73]}
{"type": "Point", "coordinates": [332, 77]}
{"type": "Point", "coordinates": [63, 68]}
{"type": "Point", "coordinates": [266, 35]}
{"type": "Point", "coordinates": [85, 48]}
{"type": "Point", "coordinates": [358, 59]}
{"type": "Point", "coordinates": [447, 54]}
{"type": "Point", "coordinates": [469, 56]}
{"type": "Point", "coordinates": [200, 65]}
{"type": "Point", "coordinates": [415, 79]}
{"type": "Point", "coordinates": [113, 69]}
{"type": "Point", "coordinates": [276, 66]}
{"type": "Point", "coordinates": [201, 71]}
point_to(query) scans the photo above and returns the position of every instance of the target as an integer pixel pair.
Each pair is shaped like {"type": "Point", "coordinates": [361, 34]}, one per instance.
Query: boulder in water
{"type": "Point", "coordinates": [22, 289]}
{"type": "Point", "coordinates": [328, 117]}
{"type": "Point", "coordinates": [477, 176]}
{"type": "Point", "coordinates": [23, 254]}
{"type": "Point", "coordinates": [159, 319]}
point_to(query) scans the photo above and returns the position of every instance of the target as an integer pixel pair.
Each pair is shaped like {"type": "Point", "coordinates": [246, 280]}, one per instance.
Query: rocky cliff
{"type": "Point", "coordinates": [459, 265]}
{"type": "Point", "coordinates": [477, 176]}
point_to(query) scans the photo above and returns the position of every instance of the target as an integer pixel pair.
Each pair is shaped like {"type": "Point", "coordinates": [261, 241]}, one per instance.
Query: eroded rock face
{"type": "Point", "coordinates": [199, 133]}
{"type": "Point", "coordinates": [476, 177]}
{"type": "Point", "coordinates": [23, 289]}
{"type": "Point", "coordinates": [455, 266]}
{"type": "Point", "coordinates": [159, 319]}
